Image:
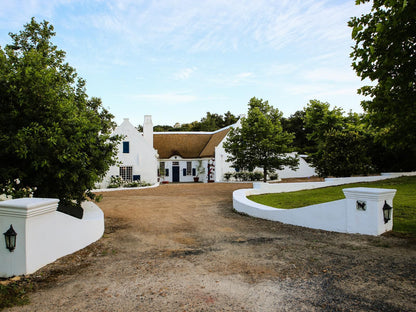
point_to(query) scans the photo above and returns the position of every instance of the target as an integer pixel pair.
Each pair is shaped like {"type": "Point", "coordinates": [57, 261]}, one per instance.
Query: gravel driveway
{"type": "Point", "coordinates": [181, 247]}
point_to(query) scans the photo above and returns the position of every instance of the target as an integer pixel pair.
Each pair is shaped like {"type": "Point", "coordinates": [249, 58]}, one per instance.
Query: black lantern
{"type": "Point", "coordinates": [387, 212]}
{"type": "Point", "coordinates": [10, 237]}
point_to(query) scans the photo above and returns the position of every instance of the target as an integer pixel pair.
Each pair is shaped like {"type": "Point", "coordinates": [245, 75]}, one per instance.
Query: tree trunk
{"type": "Point", "coordinates": [264, 174]}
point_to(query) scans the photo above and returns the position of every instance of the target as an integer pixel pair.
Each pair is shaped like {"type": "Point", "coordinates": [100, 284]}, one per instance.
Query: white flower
{"type": "Point", "coordinates": [17, 181]}
{"type": "Point", "coordinates": [4, 197]}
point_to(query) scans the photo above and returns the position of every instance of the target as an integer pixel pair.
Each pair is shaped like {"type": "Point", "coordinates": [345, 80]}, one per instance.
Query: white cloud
{"type": "Point", "coordinates": [232, 79]}
{"type": "Point", "coordinates": [184, 73]}
{"type": "Point", "coordinates": [223, 24]}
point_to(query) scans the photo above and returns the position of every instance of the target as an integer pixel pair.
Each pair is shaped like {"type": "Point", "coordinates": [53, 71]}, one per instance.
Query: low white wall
{"type": "Point", "coordinates": [329, 216]}
{"type": "Point", "coordinates": [339, 216]}
{"type": "Point", "coordinates": [44, 234]}
{"type": "Point", "coordinates": [263, 188]}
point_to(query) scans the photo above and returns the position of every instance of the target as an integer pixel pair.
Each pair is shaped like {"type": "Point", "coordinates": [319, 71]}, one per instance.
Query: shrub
{"type": "Point", "coordinates": [273, 176]}
{"type": "Point", "coordinates": [115, 182]}
{"type": "Point", "coordinates": [256, 176]}
{"type": "Point", "coordinates": [14, 189]}
{"type": "Point", "coordinates": [227, 176]}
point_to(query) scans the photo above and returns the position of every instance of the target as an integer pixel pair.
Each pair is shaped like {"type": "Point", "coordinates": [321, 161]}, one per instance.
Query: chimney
{"type": "Point", "coordinates": [148, 129]}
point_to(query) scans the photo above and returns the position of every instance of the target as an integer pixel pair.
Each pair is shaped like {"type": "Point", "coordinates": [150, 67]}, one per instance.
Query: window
{"type": "Point", "coordinates": [189, 168]}
{"type": "Point", "coordinates": [136, 177]}
{"type": "Point", "coordinates": [126, 147]}
{"type": "Point", "coordinates": [167, 172]}
{"type": "Point", "coordinates": [161, 168]}
{"type": "Point", "coordinates": [126, 173]}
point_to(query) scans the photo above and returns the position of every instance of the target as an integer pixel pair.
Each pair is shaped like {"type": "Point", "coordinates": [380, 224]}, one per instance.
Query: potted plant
{"type": "Point", "coordinates": [200, 170]}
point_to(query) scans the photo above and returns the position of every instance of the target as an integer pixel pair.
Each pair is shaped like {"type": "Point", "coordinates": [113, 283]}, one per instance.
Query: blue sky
{"type": "Point", "coordinates": [178, 59]}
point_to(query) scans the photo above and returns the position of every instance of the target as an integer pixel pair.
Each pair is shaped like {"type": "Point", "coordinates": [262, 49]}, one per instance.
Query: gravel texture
{"type": "Point", "coordinates": [181, 247]}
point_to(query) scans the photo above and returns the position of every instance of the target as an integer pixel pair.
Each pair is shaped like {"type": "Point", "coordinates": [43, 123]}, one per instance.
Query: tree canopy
{"type": "Point", "coordinates": [52, 136]}
{"type": "Point", "coordinates": [385, 53]}
{"type": "Point", "coordinates": [260, 141]}
{"type": "Point", "coordinates": [210, 122]}
{"type": "Point", "coordinates": [338, 143]}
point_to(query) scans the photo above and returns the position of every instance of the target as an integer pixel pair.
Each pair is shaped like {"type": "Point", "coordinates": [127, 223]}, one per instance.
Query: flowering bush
{"type": "Point", "coordinates": [117, 181]}
{"type": "Point", "coordinates": [14, 189]}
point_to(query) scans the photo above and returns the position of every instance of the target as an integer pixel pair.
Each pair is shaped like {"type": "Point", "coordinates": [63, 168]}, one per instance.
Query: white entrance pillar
{"type": "Point", "coordinates": [29, 217]}
{"type": "Point", "coordinates": [365, 210]}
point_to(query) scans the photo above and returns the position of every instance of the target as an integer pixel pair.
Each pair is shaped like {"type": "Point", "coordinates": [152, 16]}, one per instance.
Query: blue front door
{"type": "Point", "coordinates": [175, 174]}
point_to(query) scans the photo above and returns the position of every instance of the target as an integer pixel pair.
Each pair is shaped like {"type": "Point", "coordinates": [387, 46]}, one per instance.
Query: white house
{"type": "Point", "coordinates": [178, 156]}
{"type": "Point", "coordinates": [137, 159]}
{"type": "Point", "coordinates": [185, 155]}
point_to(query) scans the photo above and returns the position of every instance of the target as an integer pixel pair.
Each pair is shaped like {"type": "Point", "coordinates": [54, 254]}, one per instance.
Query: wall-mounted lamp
{"type": "Point", "coordinates": [10, 237]}
{"type": "Point", "coordinates": [387, 212]}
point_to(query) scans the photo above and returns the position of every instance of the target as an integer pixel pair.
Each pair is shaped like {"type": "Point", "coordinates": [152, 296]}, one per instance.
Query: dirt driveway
{"type": "Point", "coordinates": [181, 247]}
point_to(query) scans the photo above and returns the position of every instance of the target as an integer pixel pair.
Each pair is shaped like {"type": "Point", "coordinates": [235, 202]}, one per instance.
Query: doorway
{"type": "Point", "coordinates": [175, 174]}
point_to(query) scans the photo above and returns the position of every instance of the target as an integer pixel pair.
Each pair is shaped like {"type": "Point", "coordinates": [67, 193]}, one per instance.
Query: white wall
{"type": "Point", "coordinates": [44, 234]}
{"type": "Point", "coordinates": [183, 165]}
{"type": "Point", "coordinates": [304, 170]}
{"type": "Point", "coordinates": [222, 166]}
{"type": "Point", "coordinates": [339, 216]}
{"type": "Point", "coordinates": [142, 156]}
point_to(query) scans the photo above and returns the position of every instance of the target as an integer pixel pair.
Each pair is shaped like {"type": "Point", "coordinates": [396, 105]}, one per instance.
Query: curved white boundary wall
{"type": "Point", "coordinates": [44, 234]}
{"type": "Point", "coordinates": [339, 216]}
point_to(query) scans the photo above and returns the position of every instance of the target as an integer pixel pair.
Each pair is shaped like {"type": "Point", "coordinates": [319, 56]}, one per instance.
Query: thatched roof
{"type": "Point", "coordinates": [188, 144]}
{"type": "Point", "coordinates": [216, 138]}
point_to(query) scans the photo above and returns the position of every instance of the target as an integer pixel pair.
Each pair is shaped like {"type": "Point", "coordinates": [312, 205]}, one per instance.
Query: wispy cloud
{"type": "Point", "coordinates": [184, 73]}
{"type": "Point", "coordinates": [232, 80]}
{"type": "Point", "coordinates": [223, 24]}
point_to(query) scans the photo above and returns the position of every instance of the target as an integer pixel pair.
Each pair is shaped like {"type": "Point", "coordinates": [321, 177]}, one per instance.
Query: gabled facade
{"type": "Point", "coordinates": [137, 159]}
{"type": "Point", "coordinates": [184, 156]}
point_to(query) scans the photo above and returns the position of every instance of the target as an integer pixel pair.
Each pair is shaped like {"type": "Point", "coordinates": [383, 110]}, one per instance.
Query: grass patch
{"type": "Point", "coordinates": [404, 202]}
{"type": "Point", "coordinates": [14, 294]}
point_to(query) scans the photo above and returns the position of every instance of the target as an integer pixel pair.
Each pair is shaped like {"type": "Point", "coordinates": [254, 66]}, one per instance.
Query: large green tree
{"type": "Point", "coordinates": [260, 141]}
{"type": "Point", "coordinates": [385, 53]}
{"type": "Point", "coordinates": [52, 136]}
{"type": "Point", "coordinates": [338, 144]}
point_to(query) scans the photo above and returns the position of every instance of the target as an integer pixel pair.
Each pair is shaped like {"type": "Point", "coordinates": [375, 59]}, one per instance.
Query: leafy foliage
{"type": "Point", "coordinates": [14, 294]}
{"type": "Point", "coordinates": [343, 153]}
{"type": "Point", "coordinates": [52, 135]}
{"type": "Point", "coordinates": [244, 176]}
{"type": "Point", "coordinates": [210, 122]}
{"type": "Point", "coordinates": [14, 189]}
{"type": "Point", "coordinates": [338, 144]}
{"type": "Point", "coordinates": [117, 181]}
{"type": "Point", "coordinates": [385, 53]}
{"type": "Point", "coordinates": [260, 141]}
{"type": "Point", "coordinates": [296, 124]}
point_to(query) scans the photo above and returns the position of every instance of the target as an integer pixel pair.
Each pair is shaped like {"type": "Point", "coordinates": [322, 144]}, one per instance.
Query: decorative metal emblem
{"type": "Point", "coordinates": [361, 205]}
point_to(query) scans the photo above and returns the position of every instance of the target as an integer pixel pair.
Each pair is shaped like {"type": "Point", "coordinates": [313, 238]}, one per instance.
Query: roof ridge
{"type": "Point", "coordinates": [195, 132]}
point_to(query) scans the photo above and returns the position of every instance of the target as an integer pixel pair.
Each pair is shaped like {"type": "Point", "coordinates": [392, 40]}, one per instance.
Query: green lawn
{"type": "Point", "coordinates": [404, 202]}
